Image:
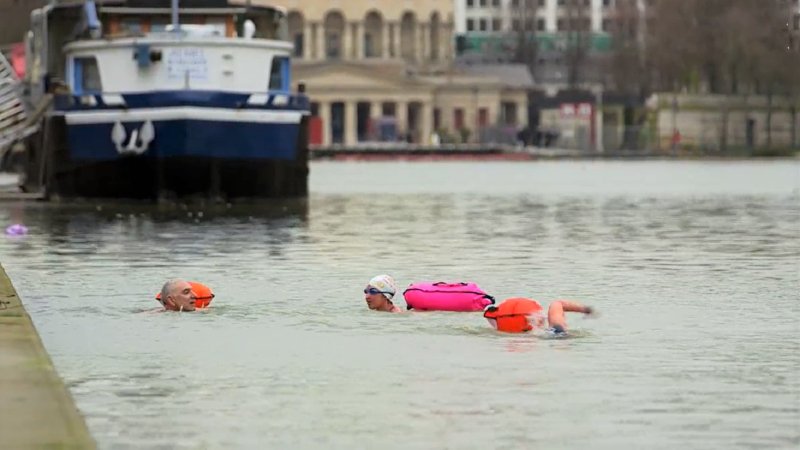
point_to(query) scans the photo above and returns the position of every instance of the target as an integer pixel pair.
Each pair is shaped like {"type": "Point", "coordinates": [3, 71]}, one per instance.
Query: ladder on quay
{"type": "Point", "coordinates": [14, 121]}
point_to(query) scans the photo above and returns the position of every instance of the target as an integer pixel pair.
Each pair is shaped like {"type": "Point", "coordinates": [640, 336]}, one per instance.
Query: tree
{"type": "Point", "coordinates": [577, 24]}
{"type": "Point", "coordinates": [774, 67]}
{"type": "Point", "coordinates": [523, 30]}
{"type": "Point", "coordinates": [717, 46]}
{"type": "Point", "coordinates": [627, 66]}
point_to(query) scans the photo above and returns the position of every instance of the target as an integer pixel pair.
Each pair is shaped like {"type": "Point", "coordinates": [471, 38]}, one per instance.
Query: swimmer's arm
{"type": "Point", "coordinates": [571, 306]}
{"type": "Point", "coordinates": [555, 313]}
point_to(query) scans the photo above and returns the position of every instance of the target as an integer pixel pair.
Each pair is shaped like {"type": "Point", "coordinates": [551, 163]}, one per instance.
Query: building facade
{"type": "Point", "coordinates": [549, 16]}
{"type": "Point", "coordinates": [416, 31]}
{"type": "Point", "coordinates": [382, 70]}
{"type": "Point", "coordinates": [494, 31]}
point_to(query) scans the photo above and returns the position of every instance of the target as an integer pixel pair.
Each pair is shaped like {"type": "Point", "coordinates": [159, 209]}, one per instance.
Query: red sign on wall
{"type": "Point", "coordinates": [585, 110]}
{"type": "Point", "coordinates": [315, 130]}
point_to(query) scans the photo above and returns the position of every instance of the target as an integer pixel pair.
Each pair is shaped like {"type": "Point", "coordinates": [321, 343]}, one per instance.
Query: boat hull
{"type": "Point", "coordinates": [176, 178]}
{"type": "Point", "coordinates": [221, 160]}
{"type": "Point", "coordinates": [176, 145]}
{"type": "Point", "coordinates": [207, 138]}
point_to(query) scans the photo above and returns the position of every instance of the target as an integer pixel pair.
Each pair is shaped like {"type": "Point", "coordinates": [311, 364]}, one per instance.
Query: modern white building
{"type": "Point", "coordinates": [488, 31]}
{"type": "Point", "coordinates": [492, 16]}
{"type": "Point", "coordinates": [482, 19]}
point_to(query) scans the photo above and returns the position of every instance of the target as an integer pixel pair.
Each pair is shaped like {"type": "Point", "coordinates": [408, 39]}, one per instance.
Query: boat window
{"type": "Point", "coordinates": [159, 24]}
{"type": "Point", "coordinates": [217, 25]}
{"type": "Point", "coordinates": [279, 74]}
{"type": "Point", "coordinates": [131, 25]}
{"type": "Point", "coordinates": [86, 76]}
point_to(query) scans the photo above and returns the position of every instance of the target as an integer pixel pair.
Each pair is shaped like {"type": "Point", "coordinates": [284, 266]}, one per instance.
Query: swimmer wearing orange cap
{"type": "Point", "coordinates": [177, 295]}
{"type": "Point", "coordinates": [519, 315]}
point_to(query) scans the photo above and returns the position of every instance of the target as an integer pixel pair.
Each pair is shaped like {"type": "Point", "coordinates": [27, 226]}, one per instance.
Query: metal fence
{"type": "Point", "coordinates": [708, 139]}
{"type": "Point", "coordinates": [583, 139]}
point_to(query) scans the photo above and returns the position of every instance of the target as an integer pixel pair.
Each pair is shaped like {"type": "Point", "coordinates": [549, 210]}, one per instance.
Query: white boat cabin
{"type": "Point", "coordinates": [172, 62]}
{"type": "Point", "coordinates": [130, 46]}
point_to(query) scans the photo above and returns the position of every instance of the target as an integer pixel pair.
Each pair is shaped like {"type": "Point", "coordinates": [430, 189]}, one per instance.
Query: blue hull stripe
{"type": "Point", "coordinates": [200, 138]}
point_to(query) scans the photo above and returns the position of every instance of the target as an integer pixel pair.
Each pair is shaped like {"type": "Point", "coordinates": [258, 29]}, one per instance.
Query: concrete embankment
{"type": "Point", "coordinates": [38, 411]}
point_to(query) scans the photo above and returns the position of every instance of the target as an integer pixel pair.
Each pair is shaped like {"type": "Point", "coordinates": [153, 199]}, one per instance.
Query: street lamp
{"type": "Point", "coordinates": [475, 111]}
{"type": "Point", "coordinates": [598, 117]}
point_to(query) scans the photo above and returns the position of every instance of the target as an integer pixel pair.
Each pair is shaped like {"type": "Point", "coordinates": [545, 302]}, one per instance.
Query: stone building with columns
{"type": "Point", "coordinates": [382, 70]}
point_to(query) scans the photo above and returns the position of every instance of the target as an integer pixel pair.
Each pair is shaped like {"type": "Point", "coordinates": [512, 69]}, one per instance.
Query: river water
{"type": "Point", "coordinates": [694, 268]}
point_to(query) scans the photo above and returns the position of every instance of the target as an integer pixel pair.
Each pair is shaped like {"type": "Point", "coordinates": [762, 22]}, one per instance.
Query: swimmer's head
{"type": "Point", "coordinates": [384, 284]}
{"type": "Point", "coordinates": [177, 295]}
{"type": "Point", "coordinates": [202, 294]}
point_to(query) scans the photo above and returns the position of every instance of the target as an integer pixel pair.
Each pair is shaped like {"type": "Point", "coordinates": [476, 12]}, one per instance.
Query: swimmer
{"type": "Point", "coordinates": [518, 315]}
{"type": "Point", "coordinates": [379, 293]}
{"type": "Point", "coordinates": [177, 295]}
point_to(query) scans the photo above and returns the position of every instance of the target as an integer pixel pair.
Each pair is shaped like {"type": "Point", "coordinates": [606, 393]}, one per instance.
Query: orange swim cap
{"type": "Point", "coordinates": [202, 293]}
{"type": "Point", "coordinates": [511, 316]}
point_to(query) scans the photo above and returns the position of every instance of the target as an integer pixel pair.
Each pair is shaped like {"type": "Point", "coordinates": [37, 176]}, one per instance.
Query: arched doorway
{"type": "Point", "coordinates": [408, 35]}
{"type": "Point", "coordinates": [334, 35]}
{"type": "Point", "coordinates": [338, 123]}
{"type": "Point", "coordinates": [436, 29]}
{"type": "Point", "coordinates": [414, 123]}
{"type": "Point", "coordinates": [296, 33]}
{"type": "Point", "coordinates": [373, 35]}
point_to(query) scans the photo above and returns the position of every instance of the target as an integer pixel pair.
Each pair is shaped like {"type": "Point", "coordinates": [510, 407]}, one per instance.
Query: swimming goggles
{"type": "Point", "coordinates": [373, 291]}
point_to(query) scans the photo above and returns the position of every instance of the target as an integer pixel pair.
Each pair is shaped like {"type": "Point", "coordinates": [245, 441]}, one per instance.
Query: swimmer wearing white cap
{"type": "Point", "coordinates": [379, 293]}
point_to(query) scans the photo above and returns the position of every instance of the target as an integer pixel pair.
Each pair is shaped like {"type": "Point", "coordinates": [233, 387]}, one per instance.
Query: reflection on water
{"type": "Point", "coordinates": [693, 271]}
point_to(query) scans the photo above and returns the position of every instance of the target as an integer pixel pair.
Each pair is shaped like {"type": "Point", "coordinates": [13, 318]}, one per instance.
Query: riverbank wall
{"type": "Point", "coordinates": [39, 411]}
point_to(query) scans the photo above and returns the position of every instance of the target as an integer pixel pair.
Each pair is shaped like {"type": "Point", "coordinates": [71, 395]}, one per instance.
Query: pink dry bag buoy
{"type": "Point", "coordinates": [441, 296]}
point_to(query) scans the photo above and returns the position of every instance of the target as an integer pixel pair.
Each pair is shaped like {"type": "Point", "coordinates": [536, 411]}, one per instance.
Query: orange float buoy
{"type": "Point", "coordinates": [202, 293]}
{"type": "Point", "coordinates": [512, 315]}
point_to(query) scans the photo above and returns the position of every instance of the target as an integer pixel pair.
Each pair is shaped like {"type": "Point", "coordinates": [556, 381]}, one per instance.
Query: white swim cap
{"type": "Point", "coordinates": [385, 284]}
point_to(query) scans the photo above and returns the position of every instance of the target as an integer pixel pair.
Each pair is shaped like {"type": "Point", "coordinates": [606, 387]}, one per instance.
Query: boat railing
{"type": "Point", "coordinates": [13, 116]}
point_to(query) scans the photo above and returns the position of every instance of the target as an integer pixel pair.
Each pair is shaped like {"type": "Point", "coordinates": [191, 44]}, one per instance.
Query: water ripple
{"type": "Point", "coordinates": [694, 274]}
